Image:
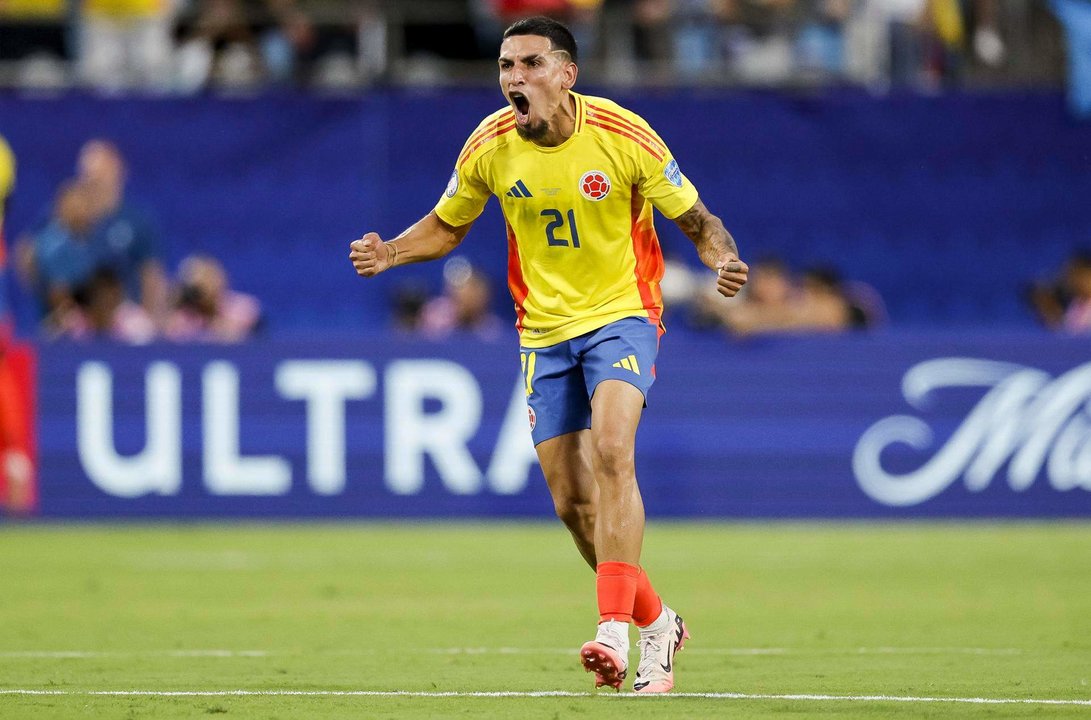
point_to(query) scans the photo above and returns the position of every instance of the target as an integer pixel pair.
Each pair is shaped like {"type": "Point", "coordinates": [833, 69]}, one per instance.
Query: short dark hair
{"type": "Point", "coordinates": [560, 37]}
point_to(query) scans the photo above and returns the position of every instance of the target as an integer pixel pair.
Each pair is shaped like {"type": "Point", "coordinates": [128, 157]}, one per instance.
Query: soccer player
{"type": "Point", "coordinates": [577, 178]}
{"type": "Point", "coordinates": [16, 468]}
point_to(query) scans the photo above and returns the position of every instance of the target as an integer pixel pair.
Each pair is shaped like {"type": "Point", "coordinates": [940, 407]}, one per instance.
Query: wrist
{"type": "Point", "coordinates": [392, 251]}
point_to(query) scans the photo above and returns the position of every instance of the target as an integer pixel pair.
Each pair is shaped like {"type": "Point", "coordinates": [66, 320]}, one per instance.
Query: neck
{"type": "Point", "coordinates": [562, 125]}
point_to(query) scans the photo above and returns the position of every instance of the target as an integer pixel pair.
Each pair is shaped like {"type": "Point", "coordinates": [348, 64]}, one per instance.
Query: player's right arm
{"type": "Point", "coordinates": [427, 239]}
{"type": "Point", "coordinates": [440, 231]}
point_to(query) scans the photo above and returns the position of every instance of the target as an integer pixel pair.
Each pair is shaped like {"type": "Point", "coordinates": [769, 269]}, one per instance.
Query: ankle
{"type": "Point", "coordinates": [617, 631]}
{"type": "Point", "coordinates": [656, 626]}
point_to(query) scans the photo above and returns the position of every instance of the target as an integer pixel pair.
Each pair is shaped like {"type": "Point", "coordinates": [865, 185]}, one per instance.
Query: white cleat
{"type": "Point", "coordinates": [606, 655]}
{"type": "Point", "coordinates": [655, 673]}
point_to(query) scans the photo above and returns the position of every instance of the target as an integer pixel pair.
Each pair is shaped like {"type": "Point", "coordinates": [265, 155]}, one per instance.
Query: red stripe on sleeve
{"type": "Point", "coordinates": [497, 132]}
{"type": "Point", "coordinates": [654, 153]}
{"type": "Point", "coordinates": [504, 117]}
{"type": "Point", "coordinates": [651, 139]}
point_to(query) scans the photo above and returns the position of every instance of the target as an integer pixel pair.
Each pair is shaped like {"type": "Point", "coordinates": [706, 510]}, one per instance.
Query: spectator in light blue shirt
{"type": "Point", "coordinates": [63, 256]}
{"type": "Point", "coordinates": [124, 239]}
{"type": "Point", "coordinates": [1075, 16]}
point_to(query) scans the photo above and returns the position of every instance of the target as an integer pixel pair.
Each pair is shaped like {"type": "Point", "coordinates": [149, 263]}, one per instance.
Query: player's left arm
{"type": "Point", "coordinates": [661, 181]}
{"type": "Point", "coordinates": [715, 246]}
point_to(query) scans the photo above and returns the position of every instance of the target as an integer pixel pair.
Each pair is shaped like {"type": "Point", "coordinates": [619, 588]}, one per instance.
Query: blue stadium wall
{"type": "Point", "coordinates": [894, 425]}
{"type": "Point", "coordinates": [948, 205]}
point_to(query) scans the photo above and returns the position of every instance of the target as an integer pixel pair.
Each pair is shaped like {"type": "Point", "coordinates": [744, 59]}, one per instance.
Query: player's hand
{"type": "Point", "coordinates": [369, 255]}
{"type": "Point", "coordinates": [731, 276]}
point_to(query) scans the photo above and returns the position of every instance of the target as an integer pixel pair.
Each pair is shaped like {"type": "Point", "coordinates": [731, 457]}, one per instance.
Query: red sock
{"type": "Point", "coordinates": [646, 606]}
{"type": "Point", "coordinates": [616, 584]}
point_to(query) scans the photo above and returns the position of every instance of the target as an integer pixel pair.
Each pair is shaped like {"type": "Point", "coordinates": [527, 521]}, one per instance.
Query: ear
{"type": "Point", "coordinates": [568, 76]}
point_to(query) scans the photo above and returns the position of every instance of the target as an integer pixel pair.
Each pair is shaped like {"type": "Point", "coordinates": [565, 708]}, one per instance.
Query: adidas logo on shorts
{"type": "Point", "coordinates": [628, 363]}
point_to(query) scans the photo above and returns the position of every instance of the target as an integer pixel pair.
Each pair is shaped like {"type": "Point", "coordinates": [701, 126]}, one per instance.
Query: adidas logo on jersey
{"type": "Point", "coordinates": [628, 363]}
{"type": "Point", "coordinates": [519, 190]}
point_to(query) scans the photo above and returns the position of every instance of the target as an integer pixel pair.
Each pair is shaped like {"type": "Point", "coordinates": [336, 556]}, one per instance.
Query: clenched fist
{"type": "Point", "coordinates": [370, 255]}
{"type": "Point", "coordinates": [731, 276]}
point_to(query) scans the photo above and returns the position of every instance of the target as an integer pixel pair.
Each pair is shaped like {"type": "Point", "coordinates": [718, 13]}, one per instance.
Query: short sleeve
{"type": "Point", "coordinates": [465, 196]}
{"type": "Point", "coordinates": [664, 185]}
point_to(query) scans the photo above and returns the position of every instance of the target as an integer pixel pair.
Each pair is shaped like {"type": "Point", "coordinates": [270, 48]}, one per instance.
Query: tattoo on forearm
{"type": "Point", "coordinates": [691, 223]}
{"type": "Point", "coordinates": [708, 234]}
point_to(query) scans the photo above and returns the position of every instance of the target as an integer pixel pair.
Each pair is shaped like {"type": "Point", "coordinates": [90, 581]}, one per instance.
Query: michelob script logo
{"type": "Point", "coordinates": [1026, 419]}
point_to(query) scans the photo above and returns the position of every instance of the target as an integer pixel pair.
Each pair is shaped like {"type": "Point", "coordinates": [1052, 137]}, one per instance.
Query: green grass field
{"type": "Point", "coordinates": [993, 611]}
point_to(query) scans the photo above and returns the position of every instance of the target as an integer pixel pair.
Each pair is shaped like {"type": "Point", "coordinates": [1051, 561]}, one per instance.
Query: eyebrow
{"type": "Point", "coordinates": [535, 56]}
{"type": "Point", "coordinates": [525, 58]}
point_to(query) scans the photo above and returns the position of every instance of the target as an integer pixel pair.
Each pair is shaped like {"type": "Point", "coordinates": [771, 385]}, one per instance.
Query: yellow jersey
{"type": "Point", "coordinates": [7, 184]}
{"type": "Point", "coordinates": [582, 250]}
{"type": "Point", "coordinates": [124, 9]}
{"type": "Point", "coordinates": [7, 172]}
{"type": "Point", "coordinates": [27, 9]}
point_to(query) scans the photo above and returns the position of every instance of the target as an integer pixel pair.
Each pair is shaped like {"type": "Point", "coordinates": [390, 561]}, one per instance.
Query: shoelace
{"type": "Point", "coordinates": [650, 649]}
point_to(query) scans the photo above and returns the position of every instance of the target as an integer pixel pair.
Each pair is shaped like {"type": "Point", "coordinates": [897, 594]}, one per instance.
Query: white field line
{"type": "Point", "coordinates": [95, 654]}
{"type": "Point", "coordinates": [213, 653]}
{"type": "Point", "coordinates": [936, 651]}
{"type": "Point", "coordinates": [573, 651]}
{"type": "Point", "coordinates": [747, 651]}
{"type": "Point", "coordinates": [541, 694]}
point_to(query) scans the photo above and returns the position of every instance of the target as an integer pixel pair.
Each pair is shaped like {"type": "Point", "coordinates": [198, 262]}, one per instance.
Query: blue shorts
{"type": "Point", "coordinates": [561, 378]}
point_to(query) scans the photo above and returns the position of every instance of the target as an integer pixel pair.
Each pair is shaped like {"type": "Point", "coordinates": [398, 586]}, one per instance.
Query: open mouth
{"type": "Point", "coordinates": [522, 107]}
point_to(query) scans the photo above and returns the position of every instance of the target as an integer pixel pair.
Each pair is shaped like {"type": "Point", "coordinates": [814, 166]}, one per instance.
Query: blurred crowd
{"type": "Point", "coordinates": [776, 300]}
{"type": "Point", "coordinates": [1063, 303]}
{"type": "Point", "coordinates": [465, 306]}
{"type": "Point", "coordinates": [185, 46]}
{"type": "Point", "coordinates": [95, 267]}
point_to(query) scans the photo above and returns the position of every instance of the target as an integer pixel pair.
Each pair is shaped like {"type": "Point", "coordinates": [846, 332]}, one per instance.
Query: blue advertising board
{"type": "Point", "coordinates": [886, 425]}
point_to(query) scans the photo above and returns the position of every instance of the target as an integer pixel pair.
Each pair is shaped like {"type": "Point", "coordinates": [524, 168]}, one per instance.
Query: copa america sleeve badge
{"type": "Point", "coordinates": [673, 173]}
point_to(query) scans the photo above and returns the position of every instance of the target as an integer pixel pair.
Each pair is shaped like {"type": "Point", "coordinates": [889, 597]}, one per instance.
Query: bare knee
{"type": "Point", "coordinates": [613, 459]}
{"type": "Point", "coordinates": [576, 513]}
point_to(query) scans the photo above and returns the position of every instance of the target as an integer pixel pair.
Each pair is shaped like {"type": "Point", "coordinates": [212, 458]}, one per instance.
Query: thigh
{"type": "Point", "coordinates": [624, 350]}
{"type": "Point", "coordinates": [556, 392]}
{"type": "Point", "coordinates": [566, 464]}
{"type": "Point", "coordinates": [615, 414]}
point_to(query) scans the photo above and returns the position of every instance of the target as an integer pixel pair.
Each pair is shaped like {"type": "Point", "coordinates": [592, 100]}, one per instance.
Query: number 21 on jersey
{"type": "Point", "coordinates": [557, 222]}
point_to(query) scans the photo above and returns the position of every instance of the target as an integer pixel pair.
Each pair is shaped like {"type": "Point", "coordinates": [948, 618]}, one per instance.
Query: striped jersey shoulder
{"type": "Point", "coordinates": [490, 133]}
{"type": "Point", "coordinates": [623, 127]}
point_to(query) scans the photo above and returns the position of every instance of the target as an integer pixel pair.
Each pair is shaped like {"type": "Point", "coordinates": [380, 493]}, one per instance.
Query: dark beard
{"type": "Point", "coordinates": [533, 131]}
